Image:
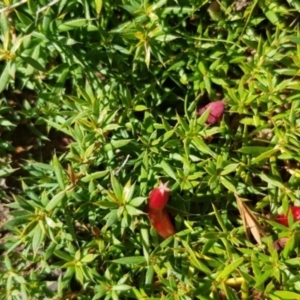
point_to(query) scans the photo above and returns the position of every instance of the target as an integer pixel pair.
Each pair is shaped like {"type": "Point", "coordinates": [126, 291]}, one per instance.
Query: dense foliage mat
{"type": "Point", "coordinates": [99, 103]}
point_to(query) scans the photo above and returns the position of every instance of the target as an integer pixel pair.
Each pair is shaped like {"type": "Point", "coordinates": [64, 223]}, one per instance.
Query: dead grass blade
{"type": "Point", "coordinates": [249, 220]}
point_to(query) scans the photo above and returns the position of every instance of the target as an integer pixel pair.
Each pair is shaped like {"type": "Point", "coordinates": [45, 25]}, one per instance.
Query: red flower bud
{"type": "Point", "coordinates": [283, 219]}
{"type": "Point", "coordinates": [159, 197]}
{"type": "Point", "coordinates": [216, 110]}
{"type": "Point", "coordinates": [160, 220]}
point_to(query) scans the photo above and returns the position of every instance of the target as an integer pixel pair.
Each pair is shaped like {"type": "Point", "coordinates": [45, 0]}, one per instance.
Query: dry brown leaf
{"type": "Point", "coordinates": [280, 243]}
{"type": "Point", "coordinates": [249, 220]}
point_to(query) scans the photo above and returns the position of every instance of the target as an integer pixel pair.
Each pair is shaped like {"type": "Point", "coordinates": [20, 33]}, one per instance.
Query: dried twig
{"type": "Point", "coordinates": [10, 7]}
{"type": "Point", "coordinates": [44, 8]}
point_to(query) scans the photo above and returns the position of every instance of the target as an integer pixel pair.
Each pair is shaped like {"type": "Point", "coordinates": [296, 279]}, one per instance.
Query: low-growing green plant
{"type": "Point", "coordinates": [102, 98]}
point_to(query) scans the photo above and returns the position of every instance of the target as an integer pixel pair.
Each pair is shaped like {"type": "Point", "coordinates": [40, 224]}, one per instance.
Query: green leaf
{"type": "Point", "coordinates": [132, 211]}
{"type": "Point", "coordinates": [201, 146]}
{"type": "Point", "coordinates": [264, 155]}
{"type": "Point", "coordinates": [106, 204]}
{"type": "Point", "coordinates": [230, 293]}
{"type": "Point", "coordinates": [88, 258]}
{"type": "Point", "coordinates": [63, 255]}
{"type": "Point", "coordinates": [289, 247]}
{"type": "Point", "coordinates": [6, 172]}
{"type": "Point", "coordinates": [16, 221]}
{"type": "Point", "coordinates": [293, 262]}
{"type": "Point", "coordinates": [166, 167]}
{"type": "Point", "coordinates": [229, 169]}
{"type": "Point", "coordinates": [33, 62]}
{"type": "Point", "coordinates": [111, 218]}
{"type": "Point", "coordinates": [219, 81]}
{"type": "Point", "coordinates": [120, 143]}
{"type": "Point", "coordinates": [121, 287]}
{"type": "Point", "coordinates": [56, 201]}
{"type": "Point", "coordinates": [136, 202]}
{"type": "Point", "coordinates": [4, 79]}
{"type": "Point", "coordinates": [286, 295]}
{"type": "Point", "coordinates": [98, 5]}
{"type": "Point", "coordinates": [231, 268]}
{"type": "Point", "coordinates": [58, 170]}
{"type": "Point", "coordinates": [117, 187]}
{"type": "Point", "coordinates": [128, 191]}
{"type": "Point", "coordinates": [219, 218]}
{"type": "Point", "coordinates": [263, 277]}
{"type": "Point", "coordinates": [195, 261]}
{"type": "Point", "coordinates": [79, 274]}
{"type": "Point", "coordinates": [166, 37]}
{"type": "Point", "coordinates": [131, 260]}
{"type": "Point", "coordinates": [4, 122]}
{"type": "Point", "coordinates": [38, 237]}
{"type": "Point", "coordinates": [145, 239]}
{"type": "Point", "coordinates": [270, 180]}
{"type": "Point", "coordinates": [70, 225]}
{"type": "Point", "coordinates": [94, 176]}
{"type": "Point", "coordinates": [140, 108]}
{"type": "Point", "coordinates": [25, 204]}
{"type": "Point", "coordinates": [255, 150]}
{"type": "Point", "coordinates": [295, 39]}
{"type": "Point", "coordinates": [5, 27]}
{"type": "Point", "coordinates": [72, 24]}
{"type": "Point", "coordinates": [228, 184]}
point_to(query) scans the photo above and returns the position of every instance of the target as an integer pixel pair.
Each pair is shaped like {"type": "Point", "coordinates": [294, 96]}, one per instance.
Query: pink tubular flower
{"type": "Point", "coordinates": [160, 220]}
{"type": "Point", "coordinates": [157, 212]}
{"type": "Point", "coordinates": [159, 197]}
{"type": "Point", "coordinates": [216, 110]}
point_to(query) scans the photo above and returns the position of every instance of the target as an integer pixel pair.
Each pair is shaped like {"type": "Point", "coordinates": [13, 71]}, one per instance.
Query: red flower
{"type": "Point", "coordinates": [283, 219]}
{"type": "Point", "coordinates": [216, 110]}
{"type": "Point", "coordinates": [157, 212]}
